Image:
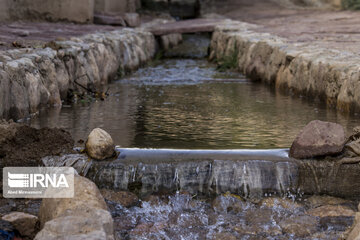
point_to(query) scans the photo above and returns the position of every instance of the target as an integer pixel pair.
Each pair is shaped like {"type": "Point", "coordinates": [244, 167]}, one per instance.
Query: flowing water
{"type": "Point", "coordinates": [227, 217]}
{"type": "Point", "coordinates": [187, 104]}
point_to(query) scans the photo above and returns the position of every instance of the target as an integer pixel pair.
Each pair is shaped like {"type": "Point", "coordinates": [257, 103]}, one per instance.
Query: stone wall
{"type": "Point", "coordinates": [327, 74]}
{"type": "Point", "coordinates": [54, 10]}
{"type": "Point", "coordinates": [31, 78]}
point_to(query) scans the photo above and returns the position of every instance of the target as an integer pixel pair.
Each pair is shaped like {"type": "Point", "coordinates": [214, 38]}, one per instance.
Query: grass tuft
{"type": "Point", "coordinates": [228, 62]}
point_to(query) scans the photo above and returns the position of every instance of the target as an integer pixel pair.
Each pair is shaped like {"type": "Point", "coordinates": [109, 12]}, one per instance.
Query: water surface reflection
{"type": "Point", "coordinates": [188, 104]}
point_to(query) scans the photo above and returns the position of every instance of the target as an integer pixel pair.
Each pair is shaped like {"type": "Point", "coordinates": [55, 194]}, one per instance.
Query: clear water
{"type": "Point", "coordinates": [182, 103]}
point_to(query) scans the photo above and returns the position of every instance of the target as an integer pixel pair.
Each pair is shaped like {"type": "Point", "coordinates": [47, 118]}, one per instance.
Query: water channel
{"type": "Point", "coordinates": [187, 104]}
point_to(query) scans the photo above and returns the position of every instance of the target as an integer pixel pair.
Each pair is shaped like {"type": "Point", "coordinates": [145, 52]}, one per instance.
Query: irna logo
{"type": "Point", "coordinates": [38, 182]}
{"type": "Point", "coordinates": [19, 180]}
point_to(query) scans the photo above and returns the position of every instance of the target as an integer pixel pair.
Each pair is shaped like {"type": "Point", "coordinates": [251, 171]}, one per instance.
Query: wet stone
{"type": "Point", "coordinates": [317, 201]}
{"type": "Point", "coordinates": [301, 226]}
{"type": "Point", "coordinates": [227, 203]}
{"type": "Point", "coordinates": [122, 225]}
{"type": "Point", "coordinates": [181, 216]}
{"type": "Point", "coordinates": [280, 203]}
{"type": "Point", "coordinates": [331, 211]}
{"type": "Point", "coordinates": [340, 223]}
{"type": "Point", "coordinates": [126, 199]}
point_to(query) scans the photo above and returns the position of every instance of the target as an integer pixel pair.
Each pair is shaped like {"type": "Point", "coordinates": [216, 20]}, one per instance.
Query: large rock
{"type": "Point", "coordinates": [86, 196]}
{"type": "Point", "coordinates": [99, 144]}
{"type": "Point", "coordinates": [85, 216]}
{"type": "Point", "coordinates": [318, 139]}
{"type": "Point", "coordinates": [25, 223]}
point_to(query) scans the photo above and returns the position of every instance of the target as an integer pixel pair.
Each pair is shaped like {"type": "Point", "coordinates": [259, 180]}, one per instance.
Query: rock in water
{"type": "Point", "coordinates": [318, 139]}
{"type": "Point", "coordinates": [25, 223]}
{"type": "Point", "coordinates": [99, 144]}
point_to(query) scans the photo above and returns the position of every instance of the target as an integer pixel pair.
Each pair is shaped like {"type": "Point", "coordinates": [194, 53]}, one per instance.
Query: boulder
{"type": "Point", "coordinates": [85, 216]}
{"type": "Point", "coordinates": [99, 144]}
{"type": "Point", "coordinates": [132, 19]}
{"type": "Point", "coordinates": [126, 199]}
{"type": "Point", "coordinates": [318, 138]}
{"type": "Point", "coordinates": [26, 224]}
{"type": "Point", "coordinates": [86, 196]}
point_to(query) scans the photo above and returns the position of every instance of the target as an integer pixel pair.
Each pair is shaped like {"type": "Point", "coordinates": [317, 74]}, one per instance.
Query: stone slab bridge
{"type": "Point", "coordinates": [185, 26]}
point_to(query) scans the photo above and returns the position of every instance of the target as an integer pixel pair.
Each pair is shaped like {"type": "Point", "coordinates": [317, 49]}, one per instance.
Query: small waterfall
{"type": "Point", "coordinates": [247, 173]}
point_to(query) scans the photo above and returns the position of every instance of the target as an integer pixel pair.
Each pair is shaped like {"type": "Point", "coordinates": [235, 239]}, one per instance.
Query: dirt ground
{"type": "Point", "coordinates": [324, 28]}
{"type": "Point", "coordinates": [36, 34]}
{"type": "Point", "coordinates": [21, 145]}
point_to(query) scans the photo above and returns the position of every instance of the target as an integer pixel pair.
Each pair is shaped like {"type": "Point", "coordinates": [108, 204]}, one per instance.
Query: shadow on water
{"type": "Point", "coordinates": [187, 104]}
